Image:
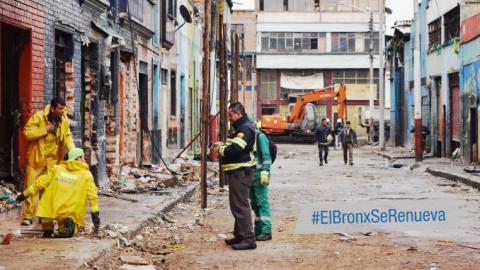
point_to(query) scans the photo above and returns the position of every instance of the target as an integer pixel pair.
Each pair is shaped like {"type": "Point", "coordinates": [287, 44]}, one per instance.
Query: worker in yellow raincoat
{"type": "Point", "coordinates": [66, 190]}
{"type": "Point", "coordinates": [48, 134]}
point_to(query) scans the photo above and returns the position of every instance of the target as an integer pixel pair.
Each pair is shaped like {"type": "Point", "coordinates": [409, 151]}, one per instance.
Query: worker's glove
{"type": "Point", "coordinates": [96, 220]}
{"type": "Point", "coordinates": [20, 198]}
{"type": "Point", "coordinates": [264, 178]}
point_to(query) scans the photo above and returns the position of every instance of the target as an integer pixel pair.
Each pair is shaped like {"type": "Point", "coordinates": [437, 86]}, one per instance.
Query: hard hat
{"type": "Point", "coordinates": [328, 120]}
{"type": "Point", "coordinates": [75, 153]}
{"type": "Point", "coordinates": [339, 120]}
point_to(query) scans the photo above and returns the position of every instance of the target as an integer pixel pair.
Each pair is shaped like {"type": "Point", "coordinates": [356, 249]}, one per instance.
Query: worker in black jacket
{"type": "Point", "coordinates": [321, 135]}
{"type": "Point", "coordinates": [238, 163]}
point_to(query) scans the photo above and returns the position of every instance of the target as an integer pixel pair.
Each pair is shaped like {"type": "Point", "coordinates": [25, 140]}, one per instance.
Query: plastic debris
{"type": "Point", "coordinates": [7, 239]}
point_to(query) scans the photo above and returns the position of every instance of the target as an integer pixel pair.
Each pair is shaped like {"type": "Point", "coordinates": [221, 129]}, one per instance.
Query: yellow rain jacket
{"type": "Point", "coordinates": [35, 132]}
{"type": "Point", "coordinates": [66, 190]}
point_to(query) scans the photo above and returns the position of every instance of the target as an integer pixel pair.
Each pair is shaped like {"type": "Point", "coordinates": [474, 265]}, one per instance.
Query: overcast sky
{"type": "Point", "coordinates": [402, 10]}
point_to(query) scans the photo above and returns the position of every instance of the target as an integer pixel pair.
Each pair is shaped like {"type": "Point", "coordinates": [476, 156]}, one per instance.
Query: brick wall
{"type": "Point", "coordinates": [29, 14]}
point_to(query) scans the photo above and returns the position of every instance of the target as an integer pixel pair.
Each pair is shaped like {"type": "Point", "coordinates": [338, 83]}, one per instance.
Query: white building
{"type": "Point", "coordinates": [308, 44]}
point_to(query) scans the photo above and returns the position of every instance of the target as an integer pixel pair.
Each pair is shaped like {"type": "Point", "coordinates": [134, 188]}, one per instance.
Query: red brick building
{"type": "Point", "coordinates": [21, 76]}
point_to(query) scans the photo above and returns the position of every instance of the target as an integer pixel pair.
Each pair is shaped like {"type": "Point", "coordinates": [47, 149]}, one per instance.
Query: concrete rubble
{"type": "Point", "coordinates": [8, 194]}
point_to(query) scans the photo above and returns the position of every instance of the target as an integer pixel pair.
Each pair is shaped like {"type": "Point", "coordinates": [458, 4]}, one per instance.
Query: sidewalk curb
{"type": "Point", "coordinates": [454, 177]}
{"type": "Point", "coordinates": [390, 157]}
{"type": "Point", "coordinates": [169, 205]}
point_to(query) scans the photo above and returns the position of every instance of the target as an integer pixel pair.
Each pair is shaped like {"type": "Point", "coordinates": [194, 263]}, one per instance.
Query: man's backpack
{"type": "Point", "coordinates": [271, 147]}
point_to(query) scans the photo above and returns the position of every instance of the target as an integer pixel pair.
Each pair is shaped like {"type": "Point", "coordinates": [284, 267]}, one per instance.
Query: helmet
{"type": "Point", "coordinates": [339, 120]}
{"type": "Point", "coordinates": [328, 120]}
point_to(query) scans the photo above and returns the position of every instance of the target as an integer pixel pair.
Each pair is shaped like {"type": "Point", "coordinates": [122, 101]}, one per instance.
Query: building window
{"type": "Point", "coordinates": [366, 44]}
{"type": "Point", "coordinates": [354, 76]}
{"type": "Point", "coordinates": [343, 42]}
{"type": "Point", "coordinates": [434, 34]}
{"type": "Point", "coordinates": [452, 24]}
{"type": "Point", "coordinates": [172, 9]}
{"type": "Point", "coordinates": [249, 67]}
{"type": "Point", "coordinates": [164, 76]}
{"type": "Point", "coordinates": [268, 85]}
{"type": "Point", "coordinates": [272, 5]}
{"type": "Point", "coordinates": [268, 109]}
{"type": "Point", "coordinates": [173, 93]}
{"type": "Point", "coordinates": [283, 42]}
{"type": "Point", "coordinates": [64, 49]}
{"type": "Point", "coordinates": [136, 8]}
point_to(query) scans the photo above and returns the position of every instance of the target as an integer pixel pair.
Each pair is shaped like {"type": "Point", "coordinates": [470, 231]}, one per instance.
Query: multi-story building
{"type": "Point", "coordinates": [244, 24]}
{"type": "Point", "coordinates": [308, 44]}
{"type": "Point", "coordinates": [470, 79]}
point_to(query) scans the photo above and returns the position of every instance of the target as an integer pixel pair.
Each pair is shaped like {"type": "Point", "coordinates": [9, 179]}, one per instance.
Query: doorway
{"type": "Point", "coordinates": [473, 135]}
{"type": "Point", "coordinates": [15, 98]}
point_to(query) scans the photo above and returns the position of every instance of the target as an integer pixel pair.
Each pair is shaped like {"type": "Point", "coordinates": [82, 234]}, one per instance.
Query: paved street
{"type": "Point", "coordinates": [298, 180]}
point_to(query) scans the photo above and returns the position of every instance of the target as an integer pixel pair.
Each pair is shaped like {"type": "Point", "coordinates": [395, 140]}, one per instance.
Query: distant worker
{"type": "Point", "coordinates": [238, 161]}
{"type": "Point", "coordinates": [348, 137]}
{"type": "Point", "coordinates": [66, 190]}
{"type": "Point", "coordinates": [321, 137]}
{"type": "Point", "coordinates": [259, 190]}
{"type": "Point", "coordinates": [337, 130]}
{"type": "Point", "coordinates": [48, 134]}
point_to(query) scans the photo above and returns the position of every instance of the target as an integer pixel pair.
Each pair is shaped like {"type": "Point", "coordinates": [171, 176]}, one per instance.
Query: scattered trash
{"type": "Point", "coordinates": [138, 238]}
{"type": "Point", "coordinates": [336, 253]}
{"type": "Point", "coordinates": [7, 196]}
{"type": "Point", "coordinates": [397, 164]}
{"type": "Point", "coordinates": [449, 185]}
{"type": "Point", "coordinates": [133, 260]}
{"type": "Point", "coordinates": [369, 233]}
{"type": "Point", "coordinates": [467, 246]}
{"type": "Point", "coordinates": [456, 153]}
{"type": "Point", "coordinates": [434, 266]}
{"type": "Point", "coordinates": [137, 267]}
{"type": "Point", "coordinates": [281, 229]}
{"type": "Point", "coordinates": [7, 239]}
{"type": "Point", "coordinates": [212, 239]}
{"type": "Point", "coordinates": [412, 248]}
{"type": "Point", "coordinates": [222, 236]}
{"type": "Point", "coordinates": [471, 169]}
{"type": "Point", "coordinates": [346, 237]}
{"type": "Point", "coordinates": [414, 166]}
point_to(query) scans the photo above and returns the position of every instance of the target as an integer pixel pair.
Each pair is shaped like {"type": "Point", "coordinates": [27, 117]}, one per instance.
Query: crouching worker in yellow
{"type": "Point", "coordinates": [48, 135]}
{"type": "Point", "coordinates": [66, 190]}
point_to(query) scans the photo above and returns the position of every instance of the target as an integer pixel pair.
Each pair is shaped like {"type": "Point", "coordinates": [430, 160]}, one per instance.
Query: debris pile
{"type": "Point", "coordinates": [7, 196]}
{"type": "Point", "coordinates": [158, 178]}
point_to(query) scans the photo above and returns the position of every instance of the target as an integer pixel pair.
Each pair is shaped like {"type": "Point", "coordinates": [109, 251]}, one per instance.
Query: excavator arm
{"type": "Point", "coordinates": [316, 95]}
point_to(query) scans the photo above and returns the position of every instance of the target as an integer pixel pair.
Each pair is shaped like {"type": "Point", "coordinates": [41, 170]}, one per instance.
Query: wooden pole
{"type": "Point", "coordinates": [223, 89]}
{"type": "Point", "coordinates": [205, 101]}
{"type": "Point", "coordinates": [234, 76]}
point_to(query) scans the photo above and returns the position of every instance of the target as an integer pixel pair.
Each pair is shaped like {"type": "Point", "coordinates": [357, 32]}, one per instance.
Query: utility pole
{"type": "Point", "coordinates": [381, 75]}
{"type": "Point", "coordinates": [416, 80]}
{"type": "Point", "coordinates": [205, 101]}
{"type": "Point", "coordinates": [371, 96]}
{"type": "Point", "coordinates": [223, 86]}
{"type": "Point", "coordinates": [234, 69]}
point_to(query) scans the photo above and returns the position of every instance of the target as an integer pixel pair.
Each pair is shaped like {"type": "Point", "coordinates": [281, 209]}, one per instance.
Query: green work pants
{"type": "Point", "coordinates": [260, 205]}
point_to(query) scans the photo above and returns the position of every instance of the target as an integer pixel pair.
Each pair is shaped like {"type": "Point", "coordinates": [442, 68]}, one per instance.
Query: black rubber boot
{"type": "Point", "coordinates": [233, 241]}
{"type": "Point", "coordinates": [244, 245]}
{"type": "Point", "coordinates": [263, 237]}
{"type": "Point", "coordinates": [69, 228]}
{"type": "Point", "coordinates": [47, 234]}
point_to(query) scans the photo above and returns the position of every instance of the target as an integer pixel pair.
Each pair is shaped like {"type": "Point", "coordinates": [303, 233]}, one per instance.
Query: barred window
{"type": "Point", "coordinates": [268, 84]}
{"type": "Point", "coordinates": [434, 34]}
{"type": "Point", "coordinates": [452, 24]}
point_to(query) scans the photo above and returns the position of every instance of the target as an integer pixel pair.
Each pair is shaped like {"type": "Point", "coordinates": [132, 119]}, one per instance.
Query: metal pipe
{"type": "Point", "coordinates": [371, 95]}
{"type": "Point", "coordinates": [416, 80]}
{"type": "Point", "coordinates": [381, 77]}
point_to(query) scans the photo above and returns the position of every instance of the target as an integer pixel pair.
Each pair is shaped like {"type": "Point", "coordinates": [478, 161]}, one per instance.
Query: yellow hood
{"type": "Point", "coordinates": [75, 165]}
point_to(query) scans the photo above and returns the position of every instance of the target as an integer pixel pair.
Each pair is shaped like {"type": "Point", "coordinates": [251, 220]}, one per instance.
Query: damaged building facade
{"type": "Point", "coordinates": [449, 69]}
{"type": "Point", "coordinates": [129, 70]}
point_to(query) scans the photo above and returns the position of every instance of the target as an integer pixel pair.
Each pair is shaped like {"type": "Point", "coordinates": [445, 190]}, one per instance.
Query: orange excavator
{"type": "Point", "coordinates": [300, 125]}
